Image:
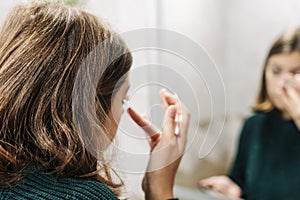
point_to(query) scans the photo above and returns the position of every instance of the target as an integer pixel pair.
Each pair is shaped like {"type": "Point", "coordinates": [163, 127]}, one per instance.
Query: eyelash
{"type": "Point", "coordinates": [278, 71]}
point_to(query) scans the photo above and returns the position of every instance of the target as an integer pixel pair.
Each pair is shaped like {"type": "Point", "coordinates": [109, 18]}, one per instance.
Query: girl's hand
{"type": "Point", "coordinates": [167, 147]}
{"type": "Point", "coordinates": [223, 185]}
{"type": "Point", "coordinates": [291, 99]}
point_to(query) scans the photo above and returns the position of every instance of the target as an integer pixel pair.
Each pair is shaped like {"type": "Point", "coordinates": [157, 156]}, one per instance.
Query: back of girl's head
{"type": "Point", "coordinates": [287, 42]}
{"type": "Point", "coordinates": [43, 49]}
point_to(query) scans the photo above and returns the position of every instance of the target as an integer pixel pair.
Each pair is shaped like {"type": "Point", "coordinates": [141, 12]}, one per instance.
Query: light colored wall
{"type": "Point", "coordinates": [5, 7]}
{"type": "Point", "coordinates": [251, 27]}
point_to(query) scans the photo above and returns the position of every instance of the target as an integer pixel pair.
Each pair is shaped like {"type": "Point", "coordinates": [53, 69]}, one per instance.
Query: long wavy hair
{"type": "Point", "coordinates": [287, 42]}
{"type": "Point", "coordinates": [44, 47]}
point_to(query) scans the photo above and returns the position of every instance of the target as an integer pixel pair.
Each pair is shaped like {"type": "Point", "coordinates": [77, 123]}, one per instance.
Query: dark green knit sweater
{"type": "Point", "coordinates": [40, 186]}
{"type": "Point", "coordinates": [267, 165]}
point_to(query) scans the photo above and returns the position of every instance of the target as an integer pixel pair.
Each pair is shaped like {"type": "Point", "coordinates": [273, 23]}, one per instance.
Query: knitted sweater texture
{"type": "Point", "coordinates": [41, 186]}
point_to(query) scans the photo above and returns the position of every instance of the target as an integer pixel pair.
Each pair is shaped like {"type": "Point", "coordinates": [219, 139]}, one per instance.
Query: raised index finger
{"type": "Point", "coordinates": [151, 130]}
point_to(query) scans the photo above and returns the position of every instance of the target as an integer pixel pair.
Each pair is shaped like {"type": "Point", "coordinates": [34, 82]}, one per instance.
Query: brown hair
{"type": "Point", "coordinates": [288, 42]}
{"type": "Point", "coordinates": [43, 49]}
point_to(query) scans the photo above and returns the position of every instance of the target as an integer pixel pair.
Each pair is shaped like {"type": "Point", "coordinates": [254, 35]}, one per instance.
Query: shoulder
{"type": "Point", "coordinates": [46, 186]}
{"type": "Point", "coordinates": [255, 119]}
{"type": "Point", "coordinates": [86, 189]}
{"type": "Point", "coordinates": [253, 125]}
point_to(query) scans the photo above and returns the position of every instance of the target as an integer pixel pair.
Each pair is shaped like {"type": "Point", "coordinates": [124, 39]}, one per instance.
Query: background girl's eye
{"type": "Point", "coordinates": [275, 71]}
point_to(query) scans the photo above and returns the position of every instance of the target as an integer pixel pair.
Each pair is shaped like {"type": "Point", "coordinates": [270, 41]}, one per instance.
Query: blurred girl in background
{"type": "Point", "coordinates": [268, 158]}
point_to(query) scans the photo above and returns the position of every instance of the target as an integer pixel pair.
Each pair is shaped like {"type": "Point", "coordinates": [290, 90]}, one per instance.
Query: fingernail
{"type": "Point", "coordinates": [177, 130]}
{"type": "Point", "coordinates": [163, 90]}
{"type": "Point", "coordinates": [297, 77]}
{"type": "Point", "coordinates": [290, 83]}
{"type": "Point", "coordinates": [145, 117]}
{"type": "Point", "coordinates": [178, 118]}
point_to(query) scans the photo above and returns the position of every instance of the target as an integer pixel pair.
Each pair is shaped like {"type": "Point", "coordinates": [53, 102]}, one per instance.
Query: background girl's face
{"type": "Point", "coordinates": [116, 111]}
{"type": "Point", "coordinates": [280, 68]}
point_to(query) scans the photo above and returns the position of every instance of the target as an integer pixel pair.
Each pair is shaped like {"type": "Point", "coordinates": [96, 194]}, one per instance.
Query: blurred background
{"type": "Point", "coordinates": [235, 36]}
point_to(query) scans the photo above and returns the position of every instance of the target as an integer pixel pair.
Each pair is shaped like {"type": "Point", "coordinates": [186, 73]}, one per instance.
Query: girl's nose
{"type": "Point", "coordinates": [283, 79]}
{"type": "Point", "coordinates": [288, 78]}
{"type": "Point", "coordinates": [297, 77]}
{"type": "Point", "coordinates": [281, 83]}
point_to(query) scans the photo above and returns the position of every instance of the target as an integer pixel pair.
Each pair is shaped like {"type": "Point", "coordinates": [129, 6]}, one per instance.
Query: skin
{"type": "Point", "coordinates": [166, 147]}
{"type": "Point", "coordinates": [223, 185]}
{"type": "Point", "coordinates": [116, 111]}
{"type": "Point", "coordinates": [283, 84]}
{"type": "Point", "coordinates": [283, 89]}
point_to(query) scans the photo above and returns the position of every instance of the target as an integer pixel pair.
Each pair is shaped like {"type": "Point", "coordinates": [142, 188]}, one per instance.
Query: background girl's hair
{"type": "Point", "coordinates": [42, 48]}
{"type": "Point", "coordinates": [288, 42]}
